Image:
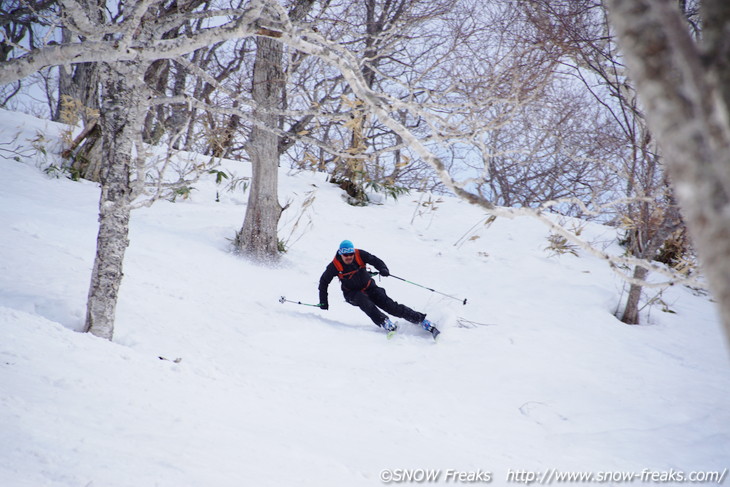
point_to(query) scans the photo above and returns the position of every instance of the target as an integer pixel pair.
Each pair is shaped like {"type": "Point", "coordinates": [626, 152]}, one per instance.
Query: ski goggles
{"type": "Point", "coordinates": [347, 251]}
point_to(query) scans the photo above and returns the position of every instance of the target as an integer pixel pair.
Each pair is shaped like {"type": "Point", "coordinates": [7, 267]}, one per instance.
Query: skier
{"type": "Point", "coordinates": [360, 289]}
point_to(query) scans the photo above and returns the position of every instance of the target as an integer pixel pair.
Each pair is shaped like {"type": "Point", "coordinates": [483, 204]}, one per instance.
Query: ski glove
{"type": "Point", "coordinates": [385, 272]}
{"type": "Point", "coordinates": [324, 306]}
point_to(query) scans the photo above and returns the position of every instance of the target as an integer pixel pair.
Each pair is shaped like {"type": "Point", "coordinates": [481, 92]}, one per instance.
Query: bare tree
{"type": "Point", "coordinates": [22, 26]}
{"type": "Point", "coordinates": [125, 44]}
{"type": "Point", "coordinates": [258, 237]}
{"type": "Point", "coordinates": [683, 86]}
{"type": "Point", "coordinates": [120, 119]}
{"type": "Point", "coordinates": [80, 82]}
{"type": "Point", "coordinates": [456, 116]}
{"type": "Point", "coordinates": [394, 41]}
{"type": "Point", "coordinates": [578, 34]}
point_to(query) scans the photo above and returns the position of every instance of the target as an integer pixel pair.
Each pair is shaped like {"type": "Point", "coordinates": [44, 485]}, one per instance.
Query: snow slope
{"type": "Point", "coordinates": [270, 394]}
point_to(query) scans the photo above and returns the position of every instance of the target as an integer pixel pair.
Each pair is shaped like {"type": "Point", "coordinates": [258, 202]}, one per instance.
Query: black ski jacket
{"type": "Point", "coordinates": [358, 280]}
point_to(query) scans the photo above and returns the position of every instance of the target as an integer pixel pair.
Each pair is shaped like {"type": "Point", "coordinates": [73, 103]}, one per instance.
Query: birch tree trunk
{"type": "Point", "coordinates": [631, 311]}
{"type": "Point", "coordinates": [258, 238]}
{"type": "Point", "coordinates": [687, 112]}
{"type": "Point", "coordinates": [120, 119]}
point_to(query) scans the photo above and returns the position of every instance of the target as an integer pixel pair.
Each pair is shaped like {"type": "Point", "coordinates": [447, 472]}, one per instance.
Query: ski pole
{"type": "Point", "coordinates": [283, 300]}
{"type": "Point", "coordinates": [432, 290]}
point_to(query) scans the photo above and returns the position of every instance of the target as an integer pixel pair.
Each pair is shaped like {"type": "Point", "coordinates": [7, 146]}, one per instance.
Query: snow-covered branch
{"type": "Point", "coordinates": [245, 24]}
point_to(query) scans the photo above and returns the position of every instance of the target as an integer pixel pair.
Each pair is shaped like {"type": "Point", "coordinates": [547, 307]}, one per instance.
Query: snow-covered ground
{"type": "Point", "coordinates": [534, 374]}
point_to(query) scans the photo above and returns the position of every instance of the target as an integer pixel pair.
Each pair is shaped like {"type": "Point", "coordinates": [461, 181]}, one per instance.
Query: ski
{"type": "Point", "coordinates": [435, 332]}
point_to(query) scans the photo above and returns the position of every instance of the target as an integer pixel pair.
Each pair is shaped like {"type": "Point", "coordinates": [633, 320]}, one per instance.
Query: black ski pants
{"type": "Point", "coordinates": [374, 297]}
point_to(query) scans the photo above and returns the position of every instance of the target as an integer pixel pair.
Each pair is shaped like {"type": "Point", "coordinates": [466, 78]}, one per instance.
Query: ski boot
{"type": "Point", "coordinates": [390, 327]}
{"type": "Point", "coordinates": [428, 326]}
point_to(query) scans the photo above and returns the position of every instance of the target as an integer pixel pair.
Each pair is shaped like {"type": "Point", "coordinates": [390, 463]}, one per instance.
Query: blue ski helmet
{"type": "Point", "coordinates": [346, 247]}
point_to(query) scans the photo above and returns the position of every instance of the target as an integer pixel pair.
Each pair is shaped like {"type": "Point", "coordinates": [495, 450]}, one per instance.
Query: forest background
{"type": "Point", "coordinates": [524, 107]}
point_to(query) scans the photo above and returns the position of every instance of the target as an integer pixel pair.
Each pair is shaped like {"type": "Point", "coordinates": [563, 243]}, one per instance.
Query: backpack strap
{"type": "Point", "coordinates": [341, 269]}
